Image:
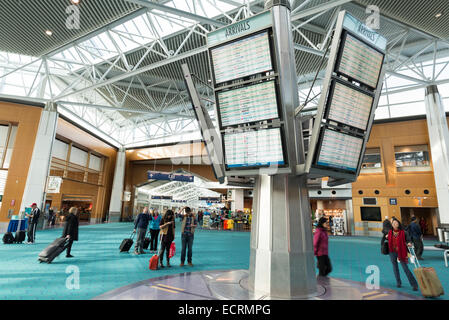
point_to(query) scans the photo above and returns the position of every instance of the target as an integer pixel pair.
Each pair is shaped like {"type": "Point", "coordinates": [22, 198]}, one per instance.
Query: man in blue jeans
{"type": "Point", "coordinates": [187, 230]}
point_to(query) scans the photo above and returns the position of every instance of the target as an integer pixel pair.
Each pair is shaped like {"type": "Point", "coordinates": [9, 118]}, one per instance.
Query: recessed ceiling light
{"type": "Point", "coordinates": [75, 1]}
{"type": "Point", "coordinates": [439, 14]}
{"type": "Point", "coordinates": [48, 32]}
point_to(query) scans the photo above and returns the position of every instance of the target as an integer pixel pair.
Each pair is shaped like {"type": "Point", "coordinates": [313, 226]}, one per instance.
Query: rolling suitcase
{"type": "Point", "coordinates": [154, 261]}
{"type": "Point", "coordinates": [127, 243]}
{"type": "Point", "coordinates": [146, 243]}
{"type": "Point", "coordinates": [20, 234]}
{"type": "Point", "coordinates": [427, 278]}
{"type": "Point", "coordinates": [53, 250]}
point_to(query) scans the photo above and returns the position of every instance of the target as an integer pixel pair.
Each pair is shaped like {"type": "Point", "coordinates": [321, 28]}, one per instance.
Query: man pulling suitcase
{"type": "Point", "coordinates": [69, 234]}
{"type": "Point", "coordinates": [71, 229]}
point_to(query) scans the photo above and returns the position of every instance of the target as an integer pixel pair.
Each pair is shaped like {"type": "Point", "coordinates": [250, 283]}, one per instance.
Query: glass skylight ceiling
{"type": "Point", "coordinates": [400, 97]}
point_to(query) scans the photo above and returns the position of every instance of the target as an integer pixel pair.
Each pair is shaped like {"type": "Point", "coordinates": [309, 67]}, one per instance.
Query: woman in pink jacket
{"type": "Point", "coordinates": [320, 247]}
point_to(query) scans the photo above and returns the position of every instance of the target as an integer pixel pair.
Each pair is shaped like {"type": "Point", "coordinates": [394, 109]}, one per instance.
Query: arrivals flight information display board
{"type": "Point", "coordinates": [241, 58]}
{"type": "Point", "coordinates": [254, 148]}
{"type": "Point", "coordinates": [350, 106]}
{"type": "Point", "coordinates": [340, 151]}
{"type": "Point", "coordinates": [360, 61]}
{"type": "Point", "coordinates": [248, 104]}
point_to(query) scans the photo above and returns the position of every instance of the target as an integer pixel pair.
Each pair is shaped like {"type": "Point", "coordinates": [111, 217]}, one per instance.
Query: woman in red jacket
{"type": "Point", "coordinates": [398, 253]}
{"type": "Point", "coordinates": [320, 247]}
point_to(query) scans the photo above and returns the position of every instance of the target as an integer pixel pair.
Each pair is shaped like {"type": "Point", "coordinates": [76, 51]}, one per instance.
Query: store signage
{"type": "Point", "coordinates": [179, 201]}
{"type": "Point", "coordinates": [54, 184]}
{"type": "Point", "coordinates": [244, 27]}
{"type": "Point", "coordinates": [155, 175]}
{"type": "Point", "coordinates": [393, 201]}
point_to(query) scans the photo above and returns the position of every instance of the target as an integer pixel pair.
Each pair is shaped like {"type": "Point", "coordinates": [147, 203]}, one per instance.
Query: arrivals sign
{"type": "Point", "coordinates": [250, 118]}
{"type": "Point", "coordinates": [345, 112]}
{"type": "Point", "coordinates": [156, 175]}
{"type": "Point", "coordinates": [239, 29]}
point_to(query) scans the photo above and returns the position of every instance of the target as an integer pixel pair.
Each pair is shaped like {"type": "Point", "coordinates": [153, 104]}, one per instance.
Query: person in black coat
{"type": "Point", "coordinates": [71, 229]}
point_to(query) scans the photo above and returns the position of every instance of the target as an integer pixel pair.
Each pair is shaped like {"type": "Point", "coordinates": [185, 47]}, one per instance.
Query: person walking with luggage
{"type": "Point", "coordinates": [51, 217]}
{"type": "Point", "coordinates": [33, 218]}
{"type": "Point", "coordinates": [155, 220]}
{"type": "Point", "coordinates": [416, 237]}
{"type": "Point", "coordinates": [320, 247]}
{"type": "Point", "coordinates": [141, 225]}
{"type": "Point", "coordinates": [187, 230]}
{"type": "Point", "coordinates": [71, 229]}
{"type": "Point", "coordinates": [397, 245]}
{"type": "Point", "coordinates": [167, 227]}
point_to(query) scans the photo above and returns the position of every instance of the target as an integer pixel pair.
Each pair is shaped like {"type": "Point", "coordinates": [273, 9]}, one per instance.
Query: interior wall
{"type": "Point", "coordinates": [101, 195]}
{"type": "Point", "coordinates": [27, 118]}
{"type": "Point", "coordinates": [390, 183]}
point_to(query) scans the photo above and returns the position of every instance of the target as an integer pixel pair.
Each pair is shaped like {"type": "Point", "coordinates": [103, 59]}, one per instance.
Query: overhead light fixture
{"type": "Point", "coordinates": [75, 1]}
{"type": "Point", "coordinates": [48, 32]}
{"type": "Point", "coordinates": [439, 14]}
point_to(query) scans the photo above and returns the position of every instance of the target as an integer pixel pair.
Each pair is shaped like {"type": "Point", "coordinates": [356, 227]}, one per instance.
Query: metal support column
{"type": "Point", "coordinates": [282, 260]}
{"type": "Point", "coordinates": [439, 146]}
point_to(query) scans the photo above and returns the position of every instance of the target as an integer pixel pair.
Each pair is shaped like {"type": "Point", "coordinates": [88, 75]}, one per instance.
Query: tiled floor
{"type": "Point", "coordinates": [100, 267]}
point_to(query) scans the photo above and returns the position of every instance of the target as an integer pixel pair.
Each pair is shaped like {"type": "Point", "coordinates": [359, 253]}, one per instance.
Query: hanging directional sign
{"type": "Point", "coordinates": [156, 175]}
{"type": "Point", "coordinates": [209, 199]}
{"type": "Point", "coordinates": [161, 197]}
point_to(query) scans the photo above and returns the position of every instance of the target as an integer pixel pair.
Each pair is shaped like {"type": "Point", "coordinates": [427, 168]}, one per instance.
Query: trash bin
{"type": "Point", "coordinates": [440, 232]}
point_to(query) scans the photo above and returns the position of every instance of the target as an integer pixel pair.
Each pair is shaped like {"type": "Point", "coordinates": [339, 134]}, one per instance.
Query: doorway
{"type": "Point", "coordinates": [426, 219]}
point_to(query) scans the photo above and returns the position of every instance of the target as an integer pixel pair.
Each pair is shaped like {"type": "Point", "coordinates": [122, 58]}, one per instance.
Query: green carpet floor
{"type": "Point", "coordinates": [102, 268]}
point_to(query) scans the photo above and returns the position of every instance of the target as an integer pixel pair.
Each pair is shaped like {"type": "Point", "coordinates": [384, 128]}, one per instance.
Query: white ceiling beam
{"type": "Point", "coordinates": [181, 13]}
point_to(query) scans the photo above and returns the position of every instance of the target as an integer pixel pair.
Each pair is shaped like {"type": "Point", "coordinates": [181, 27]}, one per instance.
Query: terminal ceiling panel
{"type": "Point", "coordinates": [23, 23]}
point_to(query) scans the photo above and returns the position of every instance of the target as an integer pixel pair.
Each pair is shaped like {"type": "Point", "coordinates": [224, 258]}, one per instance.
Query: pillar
{"type": "Point", "coordinates": [237, 200]}
{"type": "Point", "coordinates": [40, 161]}
{"type": "Point", "coordinates": [439, 147]}
{"type": "Point", "coordinates": [282, 263]}
{"type": "Point", "coordinates": [115, 206]}
{"type": "Point", "coordinates": [350, 227]}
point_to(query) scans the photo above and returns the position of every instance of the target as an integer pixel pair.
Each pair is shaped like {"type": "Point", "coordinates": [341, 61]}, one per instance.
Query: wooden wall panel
{"type": "Point", "coordinates": [27, 118]}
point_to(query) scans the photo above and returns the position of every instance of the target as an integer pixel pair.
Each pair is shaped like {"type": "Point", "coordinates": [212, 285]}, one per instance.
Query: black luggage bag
{"type": "Point", "coordinates": [53, 250]}
{"type": "Point", "coordinates": [20, 236]}
{"type": "Point", "coordinates": [146, 243]}
{"type": "Point", "coordinates": [8, 238]}
{"type": "Point", "coordinates": [127, 244]}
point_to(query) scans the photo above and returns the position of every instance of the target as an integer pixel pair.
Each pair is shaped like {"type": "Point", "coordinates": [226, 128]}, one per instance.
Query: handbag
{"type": "Point", "coordinates": [172, 251]}
{"type": "Point", "coordinates": [384, 247]}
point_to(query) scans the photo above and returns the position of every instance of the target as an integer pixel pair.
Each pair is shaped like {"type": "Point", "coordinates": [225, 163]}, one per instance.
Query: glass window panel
{"type": "Point", "coordinates": [3, 177]}
{"type": "Point", "coordinates": [412, 157]}
{"type": "Point", "coordinates": [95, 163]}
{"type": "Point", "coordinates": [372, 158]}
{"type": "Point", "coordinates": [60, 150]}
{"type": "Point", "coordinates": [78, 156]}
{"type": "Point", "coordinates": [9, 151]}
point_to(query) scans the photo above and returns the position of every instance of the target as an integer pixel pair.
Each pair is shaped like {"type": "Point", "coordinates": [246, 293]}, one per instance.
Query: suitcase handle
{"type": "Point", "coordinates": [412, 252]}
